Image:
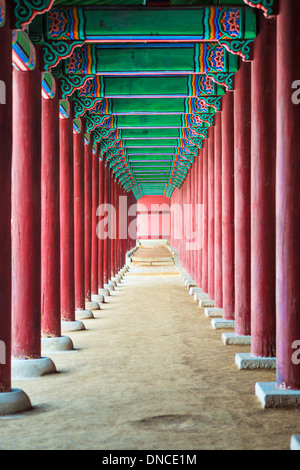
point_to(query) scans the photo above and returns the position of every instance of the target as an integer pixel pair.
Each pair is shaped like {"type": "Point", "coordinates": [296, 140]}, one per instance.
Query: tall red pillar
{"type": "Point", "coordinates": [288, 197]}
{"type": "Point", "coordinates": [195, 220]}
{"type": "Point", "coordinates": [263, 157]}
{"type": "Point", "coordinates": [87, 218]}
{"type": "Point", "coordinates": [211, 213]}
{"type": "Point", "coordinates": [95, 296]}
{"type": "Point", "coordinates": [26, 215]}
{"type": "Point", "coordinates": [218, 297]}
{"type": "Point", "coordinates": [11, 400]}
{"type": "Point", "coordinates": [5, 203]}
{"type": "Point", "coordinates": [94, 242]}
{"type": "Point", "coordinates": [26, 226]}
{"type": "Point", "coordinates": [112, 227]}
{"type": "Point", "coordinates": [205, 218]}
{"type": "Point", "coordinates": [67, 269]}
{"type": "Point", "coordinates": [79, 219]}
{"type": "Point", "coordinates": [200, 220]}
{"type": "Point", "coordinates": [228, 206]}
{"type": "Point", "coordinates": [104, 235]}
{"type": "Point", "coordinates": [102, 279]}
{"type": "Point", "coordinates": [242, 199]}
{"type": "Point", "coordinates": [50, 263]}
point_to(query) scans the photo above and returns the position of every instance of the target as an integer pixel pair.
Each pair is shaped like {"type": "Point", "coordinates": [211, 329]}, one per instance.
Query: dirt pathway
{"type": "Point", "coordinates": [148, 373]}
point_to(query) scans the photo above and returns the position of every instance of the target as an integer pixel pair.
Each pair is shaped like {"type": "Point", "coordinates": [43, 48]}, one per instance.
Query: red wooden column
{"type": "Point", "coordinates": [182, 244]}
{"type": "Point", "coordinates": [112, 227]}
{"type": "Point", "coordinates": [87, 218]}
{"type": "Point", "coordinates": [95, 295]}
{"type": "Point", "coordinates": [5, 204]}
{"type": "Point", "coordinates": [186, 220]}
{"type": "Point", "coordinates": [50, 272]}
{"type": "Point", "coordinates": [67, 268]}
{"type": "Point", "coordinates": [79, 219]}
{"type": "Point", "coordinates": [117, 242]}
{"type": "Point", "coordinates": [200, 220]}
{"type": "Point", "coordinates": [50, 228]}
{"type": "Point", "coordinates": [288, 197]}
{"type": "Point", "coordinates": [205, 218]}
{"type": "Point", "coordinates": [228, 206]}
{"type": "Point", "coordinates": [218, 297]}
{"type": "Point", "coordinates": [104, 235]}
{"type": "Point", "coordinates": [94, 242]}
{"type": "Point", "coordinates": [242, 200]}
{"type": "Point", "coordinates": [100, 234]}
{"type": "Point", "coordinates": [92, 300]}
{"type": "Point", "coordinates": [190, 222]}
{"type": "Point", "coordinates": [108, 227]}
{"type": "Point", "coordinates": [211, 213]}
{"type": "Point", "coordinates": [26, 214]}
{"type": "Point", "coordinates": [19, 401]}
{"type": "Point", "coordinates": [195, 221]}
{"type": "Point", "coordinates": [26, 225]}
{"type": "Point", "coordinates": [123, 230]}
{"type": "Point", "coordinates": [263, 157]}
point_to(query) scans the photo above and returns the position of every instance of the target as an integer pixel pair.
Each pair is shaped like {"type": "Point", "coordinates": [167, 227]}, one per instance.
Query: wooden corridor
{"type": "Point", "coordinates": [149, 372]}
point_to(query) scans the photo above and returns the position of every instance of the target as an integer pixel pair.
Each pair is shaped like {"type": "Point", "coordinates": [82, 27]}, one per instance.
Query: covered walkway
{"type": "Point", "coordinates": [149, 372]}
{"type": "Point", "coordinates": [130, 123]}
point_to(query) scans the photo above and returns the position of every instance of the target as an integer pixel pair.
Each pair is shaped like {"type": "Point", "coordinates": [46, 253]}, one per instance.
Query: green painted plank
{"type": "Point", "coordinates": [148, 105]}
{"type": "Point", "coordinates": [116, 86]}
{"type": "Point", "coordinates": [132, 121]}
{"type": "Point", "coordinates": [150, 133]}
{"type": "Point", "coordinates": [145, 60]}
{"type": "Point", "coordinates": [171, 142]}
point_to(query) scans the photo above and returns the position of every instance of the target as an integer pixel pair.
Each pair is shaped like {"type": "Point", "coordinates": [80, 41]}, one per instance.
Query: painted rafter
{"type": "Point", "coordinates": [54, 52]}
{"type": "Point", "coordinates": [212, 101]}
{"type": "Point", "coordinates": [95, 121]}
{"type": "Point", "coordinates": [101, 133]}
{"type": "Point", "coordinates": [206, 23]}
{"type": "Point", "coordinates": [81, 105]}
{"type": "Point", "coordinates": [224, 79]}
{"type": "Point", "coordinates": [240, 47]}
{"type": "Point", "coordinates": [72, 83]}
{"type": "Point", "coordinates": [26, 10]}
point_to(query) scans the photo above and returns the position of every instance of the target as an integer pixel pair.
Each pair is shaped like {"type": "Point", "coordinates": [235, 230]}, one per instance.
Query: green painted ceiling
{"type": "Point", "coordinates": [146, 79]}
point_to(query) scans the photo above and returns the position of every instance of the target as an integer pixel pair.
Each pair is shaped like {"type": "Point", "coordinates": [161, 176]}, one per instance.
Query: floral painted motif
{"type": "Point", "coordinates": [97, 108]}
{"type": "Point", "coordinates": [87, 89]}
{"type": "Point", "coordinates": [230, 21]}
{"type": "Point", "coordinates": [206, 85]}
{"type": "Point", "coordinates": [58, 23]}
{"type": "Point", "coordinates": [196, 119]}
{"type": "Point", "coordinates": [201, 106]}
{"type": "Point", "coordinates": [74, 62]}
{"type": "Point", "coordinates": [216, 59]}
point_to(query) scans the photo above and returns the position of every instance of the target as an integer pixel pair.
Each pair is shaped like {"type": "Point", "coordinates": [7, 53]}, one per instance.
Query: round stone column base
{"type": "Point", "coordinates": [72, 325]}
{"type": "Point", "coordinates": [83, 314]}
{"type": "Point", "coordinates": [31, 368]}
{"type": "Point", "coordinates": [110, 287]}
{"type": "Point", "coordinates": [93, 305]}
{"type": "Point", "coordinates": [58, 344]}
{"type": "Point", "coordinates": [99, 298]}
{"type": "Point", "coordinates": [13, 402]}
{"type": "Point", "coordinates": [104, 292]}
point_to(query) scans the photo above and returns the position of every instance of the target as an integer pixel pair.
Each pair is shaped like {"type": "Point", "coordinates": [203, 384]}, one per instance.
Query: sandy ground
{"type": "Point", "coordinates": [149, 373]}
